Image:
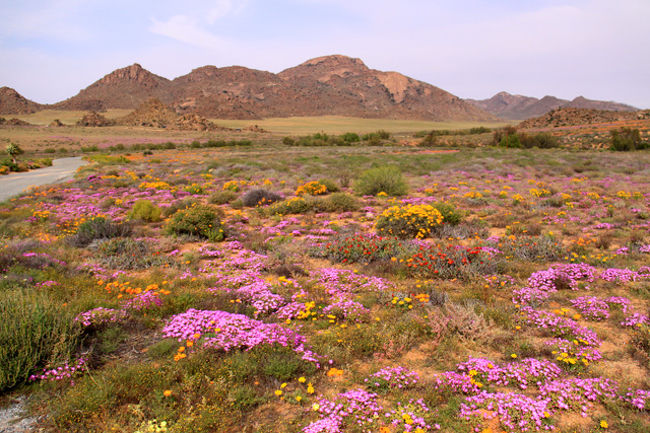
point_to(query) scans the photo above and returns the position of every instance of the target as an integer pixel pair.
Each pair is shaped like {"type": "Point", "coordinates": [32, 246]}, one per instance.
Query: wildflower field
{"type": "Point", "coordinates": [265, 289]}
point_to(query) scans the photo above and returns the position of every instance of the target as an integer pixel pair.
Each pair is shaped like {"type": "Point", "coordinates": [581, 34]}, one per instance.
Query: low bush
{"type": "Point", "coordinates": [294, 205]}
{"type": "Point", "coordinates": [34, 331]}
{"type": "Point", "coordinates": [222, 197]}
{"type": "Point", "coordinates": [388, 180]}
{"type": "Point", "coordinates": [329, 184]}
{"type": "Point", "coordinates": [509, 137]}
{"type": "Point", "coordinates": [145, 210]}
{"type": "Point", "coordinates": [198, 220]}
{"type": "Point", "coordinates": [312, 188]}
{"type": "Point", "coordinates": [450, 215]}
{"type": "Point", "coordinates": [411, 221]}
{"type": "Point", "coordinates": [341, 202]}
{"type": "Point", "coordinates": [127, 253]}
{"type": "Point", "coordinates": [178, 205]}
{"type": "Point", "coordinates": [259, 197]}
{"type": "Point", "coordinates": [98, 228]}
{"type": "Point", "coordinates": [627, 139]}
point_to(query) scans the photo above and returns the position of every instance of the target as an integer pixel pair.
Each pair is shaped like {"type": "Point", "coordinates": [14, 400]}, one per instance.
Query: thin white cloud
{"type": "Point", "coordinates": [185, 29]}
{"type": "Point", "coordinates": [222, 8]}
{"type": "Point", "coordinates": [192, 27]}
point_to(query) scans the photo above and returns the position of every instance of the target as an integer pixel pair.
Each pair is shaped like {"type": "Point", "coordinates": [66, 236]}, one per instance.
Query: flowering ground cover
{"type": "Point", "coordinates": [253, 290]}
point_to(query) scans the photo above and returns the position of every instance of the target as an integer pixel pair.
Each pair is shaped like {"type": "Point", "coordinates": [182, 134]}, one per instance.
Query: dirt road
{"type": "Point", "coordinates": [62, 169]}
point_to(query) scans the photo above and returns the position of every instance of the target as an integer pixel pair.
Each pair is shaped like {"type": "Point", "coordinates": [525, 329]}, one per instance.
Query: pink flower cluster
{"type": "Point", "coordinates": [409, 417]}
{"type": "Point", "coordinates": [521, 373]}
{"type": "Point", "coordinates": [591, 307]}
{"type": "Point", "coordinates": [578, 394]}
{"type": "Point", "coordinates": [341, 283]}
{"type": "Point", "coordinates": [639, 398]}
{"type": "Point", "coordinates": [516, 412]}
{"type": "Point", "coordinates": [450, 381]}
{"type": "Point", "coordinates": [227, 331]}
{"type": "Point", "coordinates": [144, 301]}
{"type": "Point", "coordinates": [346, 309]}
{"type": "Point", "coordinates": [393, 377]}
{"type": "Point", "coordinates": [100, 316]}
{"type": "Point", "coordinates": [62, 372]}
{"type": "Point", "coordinates": [357, 407]}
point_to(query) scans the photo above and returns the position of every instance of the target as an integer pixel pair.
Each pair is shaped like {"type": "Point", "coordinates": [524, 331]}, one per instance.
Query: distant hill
{"type": "Point", "coordinates": [330, 85]}
{"type": "Point", "coordinates": [12, 102]}
{"type": "Point", "coordinates": [570, 116]}
{"type": "Point", "coordinates": [518, 107]}
{"type": "Point", "coordinates": [123, 88]}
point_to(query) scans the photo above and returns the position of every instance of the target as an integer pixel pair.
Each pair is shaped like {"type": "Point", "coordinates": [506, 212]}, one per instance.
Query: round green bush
{"type": "Point", "coordinates": [388, 180]}
{"type": "Point", "coordinates": [341, 202]}
{"type": "Point", "coordinates": [222, 197]}
{"type": "Point", "coordinates": [198, 220]}
{"type": "Point", "coordinates": [450, 215]}
{"type": "Point", "coordinates": [146, 211]}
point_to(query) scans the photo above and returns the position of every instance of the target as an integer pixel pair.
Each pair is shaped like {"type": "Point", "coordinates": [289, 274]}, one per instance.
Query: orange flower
{"type": "Point", "coordinates": [334, 372]}
{"type": "Point", "coordinates": [167, 393]}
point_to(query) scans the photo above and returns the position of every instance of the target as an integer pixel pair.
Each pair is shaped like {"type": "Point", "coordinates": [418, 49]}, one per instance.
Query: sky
{"type": "Point", "coordinates": [49, 50]}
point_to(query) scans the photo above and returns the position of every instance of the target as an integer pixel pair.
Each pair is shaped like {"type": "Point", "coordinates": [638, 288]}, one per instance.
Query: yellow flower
{"type": "Point", "coordinates": [302, 379]}
{"type": "Point", "coordinates": [298, 398]}
{"type": "Point", "coordinates": [278, 392]}
{"type": "Point", "coordinates": [604, 424]}
{"type": "Point", "coordinates": [315, 406]}
{"type": "Point", "coordinates": [513, 355]}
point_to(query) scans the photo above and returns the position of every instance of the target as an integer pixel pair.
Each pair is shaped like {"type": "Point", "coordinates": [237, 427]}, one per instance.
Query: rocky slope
{"type": "Point", "coordinates": [519, 107]}
{"type": "Point", "coordinates": [12, 102]}
{"type": "Point", "coordinates": [330, 85]}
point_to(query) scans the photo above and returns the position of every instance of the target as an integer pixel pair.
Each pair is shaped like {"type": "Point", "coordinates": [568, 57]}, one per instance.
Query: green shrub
{"type": "Point", "coordinates": [410, 221]}
{"type": "Point", "coordinates": [542, 140]}
{"type": "Point", "coordinates": [381, 179]}
{"type": "Point", "coordinates": [627, 139]}
{"type": "Point", "coordinates": [450, 215]}
{"type": "Point", "coordinates": [34, 332]}
{"type": "Point", "coordinates": [178, 205]}
{"type": "Point", "coordinates": [194, 189]}
{"type": "Point", "coordinates": [377, 135]}
{"type": "Point", "coordinates": [259, 197]}
{"type": "Point", "coordinates": [98, 228]}
{"type": "Point", "coordinates": [511, 140]}
{"type": "Point", "coordinates": [429, 140]}
{"type": "Point", "coordinates": [127, 253]}
{"type": "Point", "coordinates": [198, 220]}
{"type": "Point", "coordinates": [288, 141]}
{"type": "Point", "coordinates": [222, 197]}
{"type": "Point", "coordinates": [330, 185]}
{"type": "Point", "coordinates": [145, 210]}
{"type": "Point", "coordinates": [341, 202]}
{"type": "Point", "coordinates": [295, 205]}
{"type": "Point", "coordinates": [350, 137]}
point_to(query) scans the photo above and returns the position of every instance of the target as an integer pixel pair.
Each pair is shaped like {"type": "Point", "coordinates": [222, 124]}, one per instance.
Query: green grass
{"type": "Point", "coordinates": [67, 117]}
{"type": "Point", "coordinates": [340, 125]}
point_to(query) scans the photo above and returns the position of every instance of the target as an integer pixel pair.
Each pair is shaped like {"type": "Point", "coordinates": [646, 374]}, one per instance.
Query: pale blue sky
{"type": "Point", "coordinates": [49, 50]}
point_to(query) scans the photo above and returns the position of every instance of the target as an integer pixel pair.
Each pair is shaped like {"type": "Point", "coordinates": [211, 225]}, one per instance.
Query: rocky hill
{"type": "Point", "coordinates": [123, 88]}
{"type": "Point", "coordinates": [570, 116]}
{"type": "Point", "coordinates": [330, 85]}
{"type": "Point", "coordinates": [154, 113]}
{"type": "Point", "coordinates": [519, 107]}
{"type": "Point", "coordinates": [12, 102]}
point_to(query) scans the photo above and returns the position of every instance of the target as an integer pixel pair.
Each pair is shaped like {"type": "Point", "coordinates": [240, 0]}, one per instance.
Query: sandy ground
{"type": "Point", "coordinates": [61, 170]}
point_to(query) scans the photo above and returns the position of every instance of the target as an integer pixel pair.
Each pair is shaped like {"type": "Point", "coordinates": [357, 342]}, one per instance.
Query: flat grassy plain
{"type": "Point", "coordinates": [340, 125]}
{"type": "Point", "coordinates": [271, 288]}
